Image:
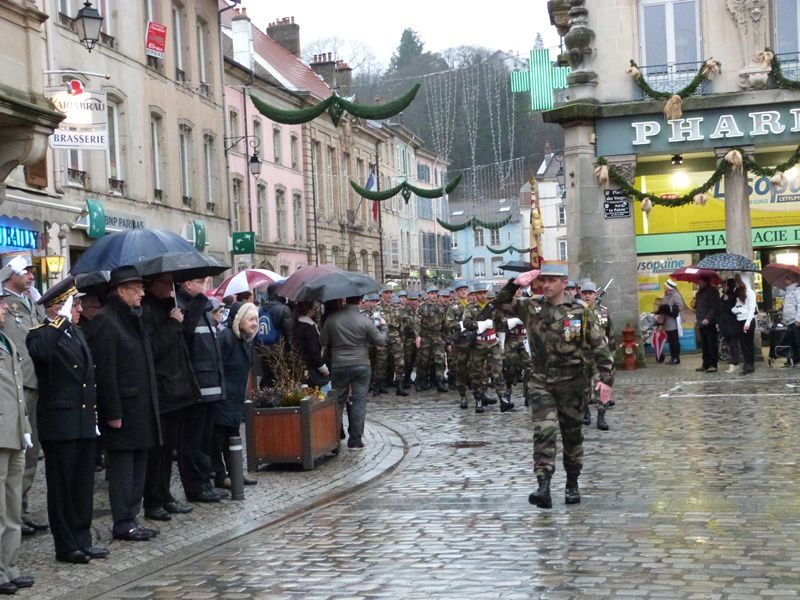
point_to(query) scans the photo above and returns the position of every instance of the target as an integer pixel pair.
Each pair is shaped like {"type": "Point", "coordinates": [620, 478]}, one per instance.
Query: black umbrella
{"type": "Point", "coordinates": [335, 285]}
{"type": "Point", "coordinates": [129, 247]}
{"type": "Point", "coordinates": [90, 282]}
{"type": "Point", "coordinates": [726, 261]}
{"type": "Point", "coordinates": [517, 266]}
{"type": "Point", "coordinates": [183, 265]}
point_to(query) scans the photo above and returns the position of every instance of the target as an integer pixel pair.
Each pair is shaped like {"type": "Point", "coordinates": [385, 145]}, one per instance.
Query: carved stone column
{"type": "Point", "coordinates": [579, 41]}
{"type": "Point", "coordinates": [752, 22]}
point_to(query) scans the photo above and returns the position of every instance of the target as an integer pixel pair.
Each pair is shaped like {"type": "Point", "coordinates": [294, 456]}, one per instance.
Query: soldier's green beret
{"type": "Point", "coordinates": [554, 268]}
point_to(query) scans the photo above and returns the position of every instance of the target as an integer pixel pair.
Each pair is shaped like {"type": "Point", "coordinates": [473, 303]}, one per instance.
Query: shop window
{"type": "Point", "coordinates": [670, 35]}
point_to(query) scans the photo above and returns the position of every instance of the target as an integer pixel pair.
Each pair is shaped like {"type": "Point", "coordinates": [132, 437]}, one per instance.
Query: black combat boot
{"type": "Point", "coordinates": [587, 417]}
{"type": "Point", "coordinates": [541, 497]}
{"type": "Point", "coordinates": [441, 386]}
{"type": "Point", "coordinates": [463, 401]}
{"type": "Point", "coordinates": [505, 402]}
{"type": "Point", "coordinates": [572, 495]}
{"type": "Point", "coordinates": [487, 400]}
{"type": "Point", "coordinates": [400, 391]}
{"type": "Point", "coordinates": [478, 404]}
{"type": "Point", "coordinates": [601, 422]}
{"type": "Point", "coordinates": [420, 385]}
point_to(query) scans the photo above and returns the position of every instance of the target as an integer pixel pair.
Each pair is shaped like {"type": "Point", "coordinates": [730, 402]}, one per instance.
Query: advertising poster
{"type": "Point", "coordinates": [652, 272]}
{"type": "Point", "coordinates": [156, 40]}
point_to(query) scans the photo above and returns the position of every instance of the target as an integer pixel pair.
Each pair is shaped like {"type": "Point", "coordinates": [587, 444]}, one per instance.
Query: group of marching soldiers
{"type": "Point", "coordinates": [459, 333]}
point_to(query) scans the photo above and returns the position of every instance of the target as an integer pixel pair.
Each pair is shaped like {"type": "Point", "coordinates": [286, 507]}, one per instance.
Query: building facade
{"type": "Point", "coordinates": [606, 114]}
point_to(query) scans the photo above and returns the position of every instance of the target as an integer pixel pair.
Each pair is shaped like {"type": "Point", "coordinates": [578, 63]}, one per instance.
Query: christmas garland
{"type": "Point", "coordinates": [405, 189]}
{"type": "Point", "coordinates": [510, 247]}
{"type": "Point", "coordinates": [674, 100]}
{"type": "Point", "coordinates": [734, 160]}
{"type": "Point", "coordinates": [777, 73]}
{"type": "Point", "coordinates": [336, 107]}
{"type": "Point", "coordinates": [474, 222]}
{"type": "Point", "coordinates": [462, 262]}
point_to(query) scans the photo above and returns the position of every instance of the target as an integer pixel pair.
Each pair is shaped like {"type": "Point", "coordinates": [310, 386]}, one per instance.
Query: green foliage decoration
{"type": "Point", "coordinates": [509, 248]}
{"type": "Point", "coordinates": [779, 79]}
{"type": "Point", "coordinates": [618, 179]}
{"type": "Point", "coordinates": [462, 262]}
{"type": "Point", "coordinates": [336, 107]}
{"type": "Point", "coordinates": [474, 222]}
{"type": "Point", "coordinates": [405, 189]}
{"type": "Point", "coordinates": [684, 93]}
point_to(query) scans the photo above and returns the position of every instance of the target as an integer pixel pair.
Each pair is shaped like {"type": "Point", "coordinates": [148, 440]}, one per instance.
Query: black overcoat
{"type": "Point", "coordinates": [126, 378]}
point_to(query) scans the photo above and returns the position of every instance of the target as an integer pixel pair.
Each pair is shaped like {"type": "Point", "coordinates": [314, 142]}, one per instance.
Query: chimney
{"type": "Point", "coordinates": [242, 31]}
{"type": "Point", "coordinates": [324, 66]}
{"type": "Point", "coordinates": [344, 78]}
{"type": "Point", "coordinates": [286, 33]}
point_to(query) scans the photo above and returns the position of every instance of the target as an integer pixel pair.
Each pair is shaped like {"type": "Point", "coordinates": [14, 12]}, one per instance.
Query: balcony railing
{"type": "Point", "coordinates": [76, 177]}
{"type": "Point", "coordinates": [66, 21]}
{"type": "Point", "coordinates": [187, 201]}
{"type": "Point", "coordinates": [180, 75]}
{"type": "Point", "coordinates": [116, 186]}
{"type": "Point", "coordinates": [790, 64]}
{"type": "Point", "coordinates": [673, 77]}
{"type": "Point", "coordinates": [205, 90]}
{"type": "Point", "coordinates": [158, 195]}
{"type": "Point", "coordinates": [107, 40]}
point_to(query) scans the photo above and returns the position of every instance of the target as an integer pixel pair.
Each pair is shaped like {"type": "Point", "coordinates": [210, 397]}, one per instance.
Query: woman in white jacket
{"type": "Point", "coordinates": [745, 310]}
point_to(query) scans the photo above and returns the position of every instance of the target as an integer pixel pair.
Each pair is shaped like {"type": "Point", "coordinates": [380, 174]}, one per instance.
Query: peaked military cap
{"type": "Point", "coordinates": [481, 286]}
{"type": "Point", "coordinates": [371, 298]}
{"type": "Point", "coordinates": [571, 284]}
{"type": "Point", "coordinates": [386, 290]}
{"type": "Point", "coordinates": [589, 286]}
{"type": "Point", "coordinates": [554, 268]}
{"type": "Point", "coordinates": [460, 283]}
{"type": "Point", "coordinates": [445, 293]}
{"type": "Point", "coordinates": [402, 293]}
{"type": "Point", "coordinates": [59, 292]}
{"type": "Point", "coordinates": [432, 289]}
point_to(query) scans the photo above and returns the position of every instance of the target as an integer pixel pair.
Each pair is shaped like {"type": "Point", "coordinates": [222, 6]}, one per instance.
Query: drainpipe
{"type": "Point", "coordinates": [225, 133]}
{"type": "Point", "coordinates": [56, 169]}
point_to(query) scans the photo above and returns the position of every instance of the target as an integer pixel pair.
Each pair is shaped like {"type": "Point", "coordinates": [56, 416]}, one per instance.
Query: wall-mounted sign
{"type": "Point", "coordinates": [86, 125]}
{"type": "Point", "coordinates": [18, 234]}
{"type": "Point", "coordinates": [156, 40]}
{"type": "Point", "coordinates": [115, 221]}
{"type": "Point", "coordinates": [699, 130]}
{"type": "Point", "coordinates": [616, 204]}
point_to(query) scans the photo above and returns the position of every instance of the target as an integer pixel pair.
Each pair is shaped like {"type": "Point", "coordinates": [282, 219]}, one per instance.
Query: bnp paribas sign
{"type": "Point", "coordinates": [86, 124]}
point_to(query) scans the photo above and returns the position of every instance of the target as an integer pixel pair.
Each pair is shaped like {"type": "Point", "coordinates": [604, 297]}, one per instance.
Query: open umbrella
{"type": "Point", "coordinates": [129, 248]}
{"type": "Point", "coordinates": [517, 266]}
{"type": "Point", "coordinates": [244, 281]}
{"type": "Point", "coordinates": [695, 274]}
{"type": "Point", "coordinates": [781, 276]}
{"type": "Point", "coordinates": [295, 281]}
{"type": "Point", "coordinates": [726, 261]}
{"type": "Point", "coordinates": [335, 285]}
{"type": "Point", "coordinates": [183, 265]}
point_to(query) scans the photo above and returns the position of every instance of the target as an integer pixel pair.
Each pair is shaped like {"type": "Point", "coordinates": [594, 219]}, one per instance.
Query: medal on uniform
{"type": "Point", "coordinates": [567, 332]}
{"type": "Point", "coordinates": [14, 306]}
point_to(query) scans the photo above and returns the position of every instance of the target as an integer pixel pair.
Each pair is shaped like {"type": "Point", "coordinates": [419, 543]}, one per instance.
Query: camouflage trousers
{"type": "Point", "coordinates": [394, 347]}
{"type": "Point", "coordinates": [409, 357]}
{"type": "Point", "coordinates": [516, 362]}
{"type": "Point", "coordinates": [554, 406]}
{"type": "Point", "coordinates": [486, 361]}
{"type": "Point", "coordinates": [459, 365]}
{"type": "Point", "coordinates": [431, 348]}
{"type": "Point", "coordinates": [593, 395]}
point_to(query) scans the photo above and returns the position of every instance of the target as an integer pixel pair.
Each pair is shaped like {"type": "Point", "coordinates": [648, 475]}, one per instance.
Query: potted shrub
{"type": "Point", "coordinates": [289, 422]}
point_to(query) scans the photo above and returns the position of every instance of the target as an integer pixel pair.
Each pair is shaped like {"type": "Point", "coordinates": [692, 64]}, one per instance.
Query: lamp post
{"type": "Point", "coordinates": [561, 176]}
{"type": "Point", "coordinates": [55, 264]}
{"type": "Point", "coordinates": [88, 23]}
{"type": "Point", "coordinates": [253, 165]}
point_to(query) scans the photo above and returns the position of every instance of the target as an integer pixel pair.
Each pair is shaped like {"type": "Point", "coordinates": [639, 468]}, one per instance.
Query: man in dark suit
{"type": "Point", "coordinates": [67, 424]}
{"type": "Point", "coordinates": [127, 400]}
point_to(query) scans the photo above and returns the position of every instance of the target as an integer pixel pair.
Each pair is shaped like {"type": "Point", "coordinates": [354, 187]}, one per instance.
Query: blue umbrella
{"type": "Point", "coordinates": [726, 261]}
{"type": "Point", "coordinates": [129, 248]}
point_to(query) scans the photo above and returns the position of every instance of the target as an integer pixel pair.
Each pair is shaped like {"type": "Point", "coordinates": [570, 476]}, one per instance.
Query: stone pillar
{"type": "Point", "coordinates": [738, 231]}
{"type": "Point", "coordinates": [599, 248]}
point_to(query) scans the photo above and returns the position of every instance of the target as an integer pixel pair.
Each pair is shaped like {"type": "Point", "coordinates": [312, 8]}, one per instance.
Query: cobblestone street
{"type": "Point", "coordinates": [692, 494]}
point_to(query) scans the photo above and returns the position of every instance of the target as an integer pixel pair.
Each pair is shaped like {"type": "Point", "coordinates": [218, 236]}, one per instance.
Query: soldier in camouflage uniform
{"type": "Point", "coordinates": [486, 356]}
{"type": "Point", "coordinates": [589, 296]}
{"type": "Point", "coordinates": [459, 342]}
{"type": "Point", "coordinates": [379, 375]}
{"type": "Point", "coordinates": [562, 335]}
{"type": "Point", "coordinates": [396, 319]}
{"type": "Point", "coordinates": [516, 359]}
{"type": "Point", "coordinates": [411, 339]}
{"type": "Point", "coordinates": [431, 355]}
{"type": "Point", "coordinates": [368, 307]}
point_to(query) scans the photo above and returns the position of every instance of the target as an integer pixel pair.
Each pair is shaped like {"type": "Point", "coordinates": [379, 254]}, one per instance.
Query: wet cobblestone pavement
{"type": "Point", "coordinates": [692, 494]}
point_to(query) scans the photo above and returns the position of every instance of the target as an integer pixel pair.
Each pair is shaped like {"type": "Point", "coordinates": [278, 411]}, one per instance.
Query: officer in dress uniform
{"type": "Point", "coordinates": [23, 313]}
{"type": "Point", "coordinates": [562, 334]}
{"type": "Point", "coordinates": [589, 296]}
{"type": "Point", "coordinates": [67, 422]}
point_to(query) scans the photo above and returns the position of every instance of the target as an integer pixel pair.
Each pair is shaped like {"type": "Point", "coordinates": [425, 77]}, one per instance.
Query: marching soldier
{"type": "Point", "coordinates": [67, 422]}
{"type": "Point", "coordinates": [379, 375]}
{"type": "Point", "coordinates": [562, 334]}
{"type": "Point", "coordinates": [458, 340]}
{"type": "Point", "coordinates": [395, 317]}
{"type": "Point", "coordinates": [432, 347]}
{"type": "Point", "coordinates": [411, 339]}
{"type": "Point", "coordinates": [486, 358]}
{"type": "Point", "coordinates": [589, 296]}
{"type": "Point", "coordinates": [516, 359]}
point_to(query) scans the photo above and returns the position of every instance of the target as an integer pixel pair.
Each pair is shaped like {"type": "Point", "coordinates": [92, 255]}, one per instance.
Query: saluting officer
{"type": "Point", "coordinates": [562, 334]}
{"type": "Point", "coordinates": [67, 422]}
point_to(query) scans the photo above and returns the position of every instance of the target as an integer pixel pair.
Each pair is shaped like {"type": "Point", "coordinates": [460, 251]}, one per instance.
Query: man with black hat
{"type": "Point", "coordinates": [67, 422]}
{"type": "Point", "coordinates": [23, 314]}
{"type": "Point", "coordinates": [15, 437]}
{"type": "Point", "coordinates": [127, 400]}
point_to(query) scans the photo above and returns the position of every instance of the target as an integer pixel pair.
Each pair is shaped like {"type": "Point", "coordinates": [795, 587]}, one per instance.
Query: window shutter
{"type": "Point", "coordinates": [36, 174]}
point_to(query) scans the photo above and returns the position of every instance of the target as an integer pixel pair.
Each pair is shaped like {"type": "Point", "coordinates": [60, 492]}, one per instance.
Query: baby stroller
{"type": "Point", "coordinates": [780, 345]}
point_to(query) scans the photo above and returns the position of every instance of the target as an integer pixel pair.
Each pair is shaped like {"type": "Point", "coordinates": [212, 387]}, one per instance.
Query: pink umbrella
{"type": "Point", "coordinates": [245, 281]}
{"type": "Point", "coordinates": [659, 339]}
{"type": "Point", "coordinates": [295, 281]}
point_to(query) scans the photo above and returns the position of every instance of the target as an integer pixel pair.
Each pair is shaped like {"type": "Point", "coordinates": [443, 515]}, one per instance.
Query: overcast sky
{"type": "Point", "coordinates": [508, 25]}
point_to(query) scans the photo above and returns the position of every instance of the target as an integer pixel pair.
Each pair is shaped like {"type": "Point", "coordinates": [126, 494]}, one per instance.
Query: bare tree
{"type": "Point", "coordinates": [354, 52]}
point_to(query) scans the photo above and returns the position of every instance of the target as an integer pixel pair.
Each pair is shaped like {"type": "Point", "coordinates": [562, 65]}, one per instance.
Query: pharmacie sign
{"type": "Point", "coordinates": [696, 241]}
{"type": "Point", "coordinates": [699, 130]}
{"type": "Point", "coordinates": [86, 124]}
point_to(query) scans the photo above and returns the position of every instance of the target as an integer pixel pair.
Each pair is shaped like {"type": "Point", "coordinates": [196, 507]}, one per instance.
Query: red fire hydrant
{"type": "Point", "coordinates": [629, 347]}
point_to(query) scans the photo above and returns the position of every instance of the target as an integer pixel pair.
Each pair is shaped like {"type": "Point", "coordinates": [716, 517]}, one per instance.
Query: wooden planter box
{"type": "Point", "coordinates": [297, 434]}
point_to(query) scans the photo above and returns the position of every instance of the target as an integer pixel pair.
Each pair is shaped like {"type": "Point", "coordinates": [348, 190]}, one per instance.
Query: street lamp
{"type": "Point", "coordinates": [88, 23]}
{"type": "Point", "coordinates": [55, 264]}
{"type": "Point", "coordinates": [561, 176]}
{"type": "Point", "coordinates": [254, 165]}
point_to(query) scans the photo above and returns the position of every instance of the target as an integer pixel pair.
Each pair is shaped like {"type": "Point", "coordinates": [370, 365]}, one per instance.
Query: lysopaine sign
{"type": "Point", "coordinates": [701, 130]}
